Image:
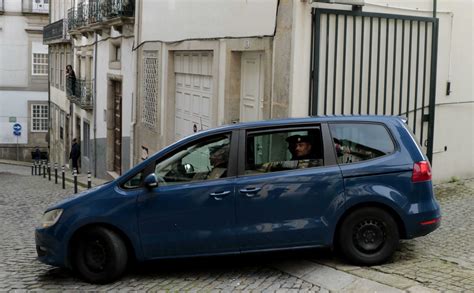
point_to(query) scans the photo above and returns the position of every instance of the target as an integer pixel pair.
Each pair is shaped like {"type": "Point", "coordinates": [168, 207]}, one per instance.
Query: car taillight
{"type": "Point", "coordinates": [421, 172]}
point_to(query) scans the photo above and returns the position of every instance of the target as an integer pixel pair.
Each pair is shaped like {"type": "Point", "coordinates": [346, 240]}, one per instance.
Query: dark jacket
{"type": "Point", "coordinates": [75, 151]}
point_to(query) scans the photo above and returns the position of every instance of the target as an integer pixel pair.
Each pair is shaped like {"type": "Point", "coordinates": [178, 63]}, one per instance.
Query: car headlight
{"type": "Point", "coordinates": [50, 218]}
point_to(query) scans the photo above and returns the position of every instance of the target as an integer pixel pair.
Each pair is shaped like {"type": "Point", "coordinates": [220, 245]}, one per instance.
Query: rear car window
{"type": "Point", "coordinates": [283, 150]}
{"type": "Point", "coordinates": [359, 142]}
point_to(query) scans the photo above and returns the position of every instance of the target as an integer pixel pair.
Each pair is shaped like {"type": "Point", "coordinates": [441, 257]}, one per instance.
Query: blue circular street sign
{"type": "Point", "coordinates": [17, 133]}
{"type": "Point", "coordinates": [17, 127]}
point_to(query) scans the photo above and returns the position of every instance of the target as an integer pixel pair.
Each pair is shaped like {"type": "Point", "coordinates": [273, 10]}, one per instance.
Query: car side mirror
{"type": "Point", "coordinates": [151, 181]}
{"type": "Point", "coordinates": [189, 168]}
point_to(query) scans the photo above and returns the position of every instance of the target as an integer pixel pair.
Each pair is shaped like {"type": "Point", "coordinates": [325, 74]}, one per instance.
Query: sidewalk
{"type": "Point", "coordinates": [81, 178]}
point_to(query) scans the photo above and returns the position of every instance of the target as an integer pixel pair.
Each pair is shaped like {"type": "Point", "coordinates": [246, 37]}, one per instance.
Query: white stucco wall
{"type": "Point", "coordinates": [14, 67]}
{"type": "Point", "coordinates": [127, 72]}
{"type": "Point", "coordinates": [58, 97]}
{"type": "Point", "coordinates": [12, 5]}
{"type": "Point", "coordinates": [15, 104]}
{"type": "Point", "coordinates": [206, 19]}
{"type": "Point", "coordinates": [454, 124]}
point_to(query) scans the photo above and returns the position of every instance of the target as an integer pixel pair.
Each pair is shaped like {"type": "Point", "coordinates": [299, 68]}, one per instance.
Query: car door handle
{"type": "Point", "coordinates": [219, 195]}
{"type": "Point", "coordinates": [250, 190]}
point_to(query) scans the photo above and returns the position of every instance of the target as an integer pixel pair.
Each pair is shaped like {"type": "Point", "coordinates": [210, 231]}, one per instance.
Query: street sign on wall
{"type": "Point", "coordinates": [17, 129]}
{"type": "Point", "coordinates": [8, 134]}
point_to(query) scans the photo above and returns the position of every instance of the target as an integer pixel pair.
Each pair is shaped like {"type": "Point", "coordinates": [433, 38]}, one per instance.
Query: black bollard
{"type": "Point", "coordinates": [74, 173]}
{"type": "Point", "coordinates": [39, 167]}
{"type": "Point", "coordinates": [32, 167]}
{"type": "Point", "coordinates": [36, 171]}
{"type": "Point", "coordinates": [89, 180]}
{"type": "Point", "coordinates": [64, 178]}
{"type": "Point", "coordinates": [55, 173]}
{"type": "Point", "coordinates": [44, 169]}
{"type": "Point", "coordinates": [49, 171]}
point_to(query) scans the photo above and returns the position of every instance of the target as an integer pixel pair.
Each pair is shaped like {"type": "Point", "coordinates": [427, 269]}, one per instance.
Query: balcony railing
{"type": "Point", "coordinates": [97, 11]}
{"type": "Point", "coordinates": [56, 31]}
{"type": "Point", "coordinates": [35, 6]}
{"type": "Point", "coordinates": [81, 92]}
{"type": "Point", "coordinates": [117, 8]}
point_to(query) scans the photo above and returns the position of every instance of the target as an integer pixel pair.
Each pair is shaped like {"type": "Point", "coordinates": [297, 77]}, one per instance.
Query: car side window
{"type": "Point", "coordinates": [203, 160]}
{"type": "Point", "coordinates": [134, 182]}
{"type": "Point", "coordinates": [355, 142]}
{"type": "Point", "coordinates": [283, 150]}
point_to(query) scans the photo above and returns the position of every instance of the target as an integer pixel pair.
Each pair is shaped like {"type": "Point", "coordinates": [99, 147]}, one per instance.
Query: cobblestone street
{"type": "Point", "coordinates": [23, 199]}
{"type": "Point", "coordinates": [443, 260]}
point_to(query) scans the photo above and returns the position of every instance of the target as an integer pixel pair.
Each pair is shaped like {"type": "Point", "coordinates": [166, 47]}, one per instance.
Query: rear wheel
{"type": "Point", "coordinates": [100, 255]}
{"type": "Point", "coordinates": [368, 236]}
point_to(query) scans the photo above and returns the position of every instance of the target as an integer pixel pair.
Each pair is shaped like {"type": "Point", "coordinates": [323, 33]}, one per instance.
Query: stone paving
{"type": "Point", "coordinates": [442, 260]}
{"type": "Point", "coordinates": [23, 199]}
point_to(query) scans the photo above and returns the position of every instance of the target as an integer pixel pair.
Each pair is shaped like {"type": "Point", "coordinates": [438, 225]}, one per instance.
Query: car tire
{"type": "Point", "coordinates": [368, 236]}
{"type": "Point", "coordinates": [100, 255]}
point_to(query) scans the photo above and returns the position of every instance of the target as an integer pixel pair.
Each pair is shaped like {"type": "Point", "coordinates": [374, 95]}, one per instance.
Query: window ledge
{"type": "Point", "coordinates": [115, 65]}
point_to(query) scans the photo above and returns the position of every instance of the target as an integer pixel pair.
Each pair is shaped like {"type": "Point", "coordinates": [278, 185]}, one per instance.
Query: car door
{"type": "Point", "coordinates": [283, 200]}
{"type": "Point", "coordinates": [192, 211]}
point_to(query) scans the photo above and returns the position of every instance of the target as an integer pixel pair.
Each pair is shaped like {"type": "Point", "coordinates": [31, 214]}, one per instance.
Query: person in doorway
{"type": "Point", "coordinates": [37, 154]}
{"type": "Point", "coordinates": [75, 155]}
{"type": "Point", "coordinates": [71, 80]}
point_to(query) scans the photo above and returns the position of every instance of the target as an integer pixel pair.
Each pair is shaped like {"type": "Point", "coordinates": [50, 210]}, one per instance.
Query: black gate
{"type": "Point", "coordinates": [373, 63]}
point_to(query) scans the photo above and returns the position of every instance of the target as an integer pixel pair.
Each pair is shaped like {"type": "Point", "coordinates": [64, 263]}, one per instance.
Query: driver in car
{"type": "Point", "coordinates": [218, 158]}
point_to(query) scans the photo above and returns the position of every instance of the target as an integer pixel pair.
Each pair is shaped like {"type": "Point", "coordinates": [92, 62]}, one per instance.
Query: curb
{"type": "Point", "coordinates": [67, 178]}
{"type": "Point", "coordinates": [345, 278]}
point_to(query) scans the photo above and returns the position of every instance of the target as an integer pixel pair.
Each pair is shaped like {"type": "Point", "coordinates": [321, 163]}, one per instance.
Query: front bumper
{"type": "Point", "coordinates": [48, 248]}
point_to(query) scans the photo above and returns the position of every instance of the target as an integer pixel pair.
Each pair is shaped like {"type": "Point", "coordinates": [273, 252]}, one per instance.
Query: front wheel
{"type": "Point", "coordinates": [368, 236]}
{"type": "Point", "coordinates": [100, 255]}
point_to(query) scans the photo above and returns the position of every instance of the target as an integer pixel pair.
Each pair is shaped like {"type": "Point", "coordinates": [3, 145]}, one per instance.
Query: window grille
{"type": "Point", "coordinates": [39, 115]}
{"type": "Point", "coordinates": [40, 64]}
{"type": "Point", "coordinates": [150, 88]}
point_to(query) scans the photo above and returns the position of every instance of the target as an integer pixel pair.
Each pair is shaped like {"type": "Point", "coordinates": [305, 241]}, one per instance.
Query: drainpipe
{"type": "Point", "coordinates": [49, 107]}
{"type": "Point", "coordinates": [133, 142]}
{"type": "Point", "coordinates": [95, 107]}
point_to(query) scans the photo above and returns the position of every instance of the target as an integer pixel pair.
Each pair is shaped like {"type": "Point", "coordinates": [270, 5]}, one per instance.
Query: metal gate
{"type": "Point", "coordinates": [373, 63]}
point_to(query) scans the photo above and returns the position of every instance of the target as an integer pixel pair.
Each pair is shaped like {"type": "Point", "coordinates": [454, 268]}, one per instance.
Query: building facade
{"type": "Point", "coordinates": [271, 59]}
{"type": "Point", "coordinates": [161, 70]}
{"type": "Point", "coordinates": [98, 101]}
{"type": "Point", "coordinates": [23, 79]}
{"type": "Point", "coordinates": [56, 36]}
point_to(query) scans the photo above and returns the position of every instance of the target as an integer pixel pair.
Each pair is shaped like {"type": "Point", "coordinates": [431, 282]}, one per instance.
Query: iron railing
{"type": "Point", "coordinates": [117, 8]}
{"type": "Point", "coordinates": [56, 31]}
{"type": "Point", "coordinates": [32, 6]}
{"type": "Point", "coordinates": [95, 14]}
{"type": "Point", "coordinates": [82, 14]}
{"type": "Point", "coordinates": [81, 92]}
{"type": "Point", "coordinates": [97, 11]}
{"type": "Point", "coordinates": [375, 63]}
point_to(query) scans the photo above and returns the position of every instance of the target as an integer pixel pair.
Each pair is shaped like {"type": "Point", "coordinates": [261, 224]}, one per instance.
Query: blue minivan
{"type": "Point", "coordinates": [356, 183]}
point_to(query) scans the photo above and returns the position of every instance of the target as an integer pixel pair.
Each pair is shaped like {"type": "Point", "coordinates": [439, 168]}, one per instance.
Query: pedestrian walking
{"type": "Point", "coordinates": [75, 154]}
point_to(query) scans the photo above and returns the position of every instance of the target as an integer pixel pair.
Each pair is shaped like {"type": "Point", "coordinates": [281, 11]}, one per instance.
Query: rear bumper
{"type": "Point", "coordinates": [423, 222]}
